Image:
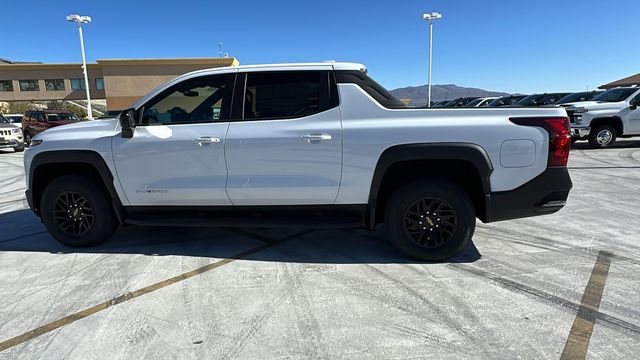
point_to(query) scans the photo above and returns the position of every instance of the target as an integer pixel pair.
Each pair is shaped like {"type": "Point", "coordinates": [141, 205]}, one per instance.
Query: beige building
{"type": "Point", "coordinates": [121, 82]}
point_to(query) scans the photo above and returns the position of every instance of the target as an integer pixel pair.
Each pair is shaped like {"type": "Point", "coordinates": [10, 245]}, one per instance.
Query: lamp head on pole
{"type": "Point", "coordinates": [433, 16]}
{"type": "Point", "coordinates": [79, 19]}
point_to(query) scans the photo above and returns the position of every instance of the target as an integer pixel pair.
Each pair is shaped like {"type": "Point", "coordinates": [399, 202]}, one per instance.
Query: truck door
{"type": "Point", "coordinates": [633, 116]}
{"type": "Point", "coordinates": [284, 144]}
{"type": "Point", "coordinates": [176, 155]}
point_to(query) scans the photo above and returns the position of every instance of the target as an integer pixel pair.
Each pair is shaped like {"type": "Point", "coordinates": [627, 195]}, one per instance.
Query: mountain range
{"type": "Point", "coordinates": [419, 94]}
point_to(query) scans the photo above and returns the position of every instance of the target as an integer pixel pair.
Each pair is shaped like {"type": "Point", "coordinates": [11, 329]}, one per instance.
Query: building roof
{"type": "Point", "coordinates": [628, 81]}
{"type": "Point", "coordinates": [6, 61]}
{"type": "Point", "coordinates": [214, 62]}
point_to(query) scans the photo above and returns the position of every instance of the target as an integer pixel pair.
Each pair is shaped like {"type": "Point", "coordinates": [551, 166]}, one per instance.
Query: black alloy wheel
{"type": "Point", "coordinates": [73, 213]}
{"type": "Point", "coordinates": [430, 222]}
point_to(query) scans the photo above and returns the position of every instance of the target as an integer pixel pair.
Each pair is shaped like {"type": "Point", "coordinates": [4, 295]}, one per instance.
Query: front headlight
{"type": "Point", "coordinates": [16, 131]}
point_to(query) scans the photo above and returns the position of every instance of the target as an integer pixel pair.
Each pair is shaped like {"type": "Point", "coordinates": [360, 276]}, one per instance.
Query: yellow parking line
{"type": "Point", "coordinates": [134, 294]}
{"type": "Point", "coordinates": [578, 341]}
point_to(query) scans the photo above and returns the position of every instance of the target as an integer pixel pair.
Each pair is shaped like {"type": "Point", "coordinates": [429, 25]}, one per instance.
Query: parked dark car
{"type": "Point", "coordinates": [579, 96]}
{"type": "Point", "coordinates": [459, 102]}
{"type": "Point", "coordinates": [541, 99]}
{"type": "Point", "coordinates": [506, 100]}
{"type": "Point", "coordinates": [37, 121]}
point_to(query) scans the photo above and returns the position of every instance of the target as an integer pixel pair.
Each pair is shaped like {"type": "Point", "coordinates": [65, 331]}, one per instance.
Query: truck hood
{"type": "Point", "coordinates": [7, 126]}
{"type": "Point", "coordinates": [599, 106]}
{"type": "Point", "coordinates": [80, 129]}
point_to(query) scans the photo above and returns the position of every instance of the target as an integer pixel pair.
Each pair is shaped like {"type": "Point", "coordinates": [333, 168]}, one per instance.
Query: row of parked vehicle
{"type": "Point", "coordinates": [518, 100]}
{"type": "Point", "coordinates": [16, 131]}
{"type": "Point", "coordinates": [598, 116]}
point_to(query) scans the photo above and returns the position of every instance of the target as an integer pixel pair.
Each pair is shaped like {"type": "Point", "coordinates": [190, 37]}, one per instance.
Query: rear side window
{"type": "Point", "coordinates": [375, 90]}
{"type": "Point", "coordinates": [285, 95]}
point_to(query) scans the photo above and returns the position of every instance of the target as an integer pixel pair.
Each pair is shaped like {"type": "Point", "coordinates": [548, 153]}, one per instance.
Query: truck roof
{"type": "Point", "coordinates": [324, 65]}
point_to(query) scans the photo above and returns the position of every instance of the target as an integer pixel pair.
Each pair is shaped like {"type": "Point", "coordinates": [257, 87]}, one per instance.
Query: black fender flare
{"type": "Point", "coordinates": [88, 157]}
{"type": "Point", "coordinates": [471, 153]}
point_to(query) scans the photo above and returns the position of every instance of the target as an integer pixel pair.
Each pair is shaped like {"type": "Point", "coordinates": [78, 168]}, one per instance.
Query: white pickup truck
{"type": "Point", "coordinates": [614, 113]}
{"type": "Point", "coordinates": [308, 145]}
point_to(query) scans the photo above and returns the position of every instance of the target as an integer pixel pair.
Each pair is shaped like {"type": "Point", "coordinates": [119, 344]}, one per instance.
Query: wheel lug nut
{"type": "Point", "coordinates": [430, 229]}
{"type": "Point", "coordinates": [424, 228]}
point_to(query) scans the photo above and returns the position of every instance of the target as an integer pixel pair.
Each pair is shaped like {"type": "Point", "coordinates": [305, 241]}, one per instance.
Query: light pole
{"type": "Point", "coordinates": [430, 18]}
{"type": "Point", "coordinates": [83, 20]}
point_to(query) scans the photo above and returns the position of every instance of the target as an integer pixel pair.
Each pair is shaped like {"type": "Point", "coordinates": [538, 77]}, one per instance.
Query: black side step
{"type": "Point", "coordinates": [314, 217]}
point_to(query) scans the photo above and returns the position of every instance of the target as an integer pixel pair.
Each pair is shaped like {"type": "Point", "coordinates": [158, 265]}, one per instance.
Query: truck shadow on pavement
{"type": "Point", "coordinates": [21, 231]}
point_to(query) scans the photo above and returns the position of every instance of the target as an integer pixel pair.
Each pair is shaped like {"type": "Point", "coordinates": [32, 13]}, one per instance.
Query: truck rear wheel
{"type": "Point", "coordinates": [430, 219]}
{"type": "Point", "coordinates": [76, 212]}
{"type": "Point", "coordinates": [602, 136]}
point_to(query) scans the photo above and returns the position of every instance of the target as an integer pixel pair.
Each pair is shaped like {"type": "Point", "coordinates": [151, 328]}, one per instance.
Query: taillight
{"type": "Point", "coordinates": [559, 131]}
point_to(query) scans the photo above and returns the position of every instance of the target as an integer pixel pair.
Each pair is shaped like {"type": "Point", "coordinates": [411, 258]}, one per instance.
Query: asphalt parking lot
{"type": "Point", "coordinates": [563, 285]}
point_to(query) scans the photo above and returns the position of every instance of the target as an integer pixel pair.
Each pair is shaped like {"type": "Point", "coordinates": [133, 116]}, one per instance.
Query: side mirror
{"type": "Point", "coordinates": [128, 123]}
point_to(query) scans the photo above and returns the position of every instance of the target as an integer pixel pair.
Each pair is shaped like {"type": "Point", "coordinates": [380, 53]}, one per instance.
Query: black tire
{"type": "Point", "coordinates": [76, 195]}
{"type": "Point", "coordinates": [602, 136]}
{"type": "Point", "coordinates": [27, 138]}
{"type": "Point", "coordinates": [19, 149]}
{"type": "Point", "coordinates": [405, 214]}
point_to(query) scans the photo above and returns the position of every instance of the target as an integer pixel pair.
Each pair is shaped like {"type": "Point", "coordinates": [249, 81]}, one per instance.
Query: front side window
{"type": "Point", "coordinates": [281, 95]}
{"type": "Point", "coordinates": [77, 84]}
{"type": "Point", "coordinates": [198, 100]}
{"type": "Point", "coordinates": [54, 85]}
{"type": "Point", "coordinates": [99, 84]}
{"type": "Point", "coordinates": [6, 85]}
{"type": "Point", "coordinates": [29, 85]}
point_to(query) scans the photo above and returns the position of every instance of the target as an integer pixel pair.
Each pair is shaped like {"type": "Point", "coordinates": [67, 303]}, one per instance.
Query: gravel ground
{"type": "Point", "coordinates": [536, 288]}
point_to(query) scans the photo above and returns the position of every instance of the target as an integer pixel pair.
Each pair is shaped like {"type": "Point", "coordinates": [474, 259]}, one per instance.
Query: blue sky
{"type": "Point", "coordinates": [513, 46]}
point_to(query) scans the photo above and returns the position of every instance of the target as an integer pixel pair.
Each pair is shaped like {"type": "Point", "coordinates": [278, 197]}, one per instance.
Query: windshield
{"type": "Point", "coordinates": [581, 96]}
{"type": "Point", "coordinates": [474, 103]}
{"type": "Point", "coordinates": [62, 117]}
{"type": "Point", "coordinates": [615, 95]}
{"type": "Point", "coordinates": [531, 100]}
{"type": "Point", "coordinates": [507, 100]}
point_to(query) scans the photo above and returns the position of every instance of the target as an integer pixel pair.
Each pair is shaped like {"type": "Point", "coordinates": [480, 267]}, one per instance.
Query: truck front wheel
{"type": "Point", "coordinates": [76, 212]}
{"type": "Point", "coordinates": [430, 219]}
{"type": "Point", "coordinates": [602, 136]}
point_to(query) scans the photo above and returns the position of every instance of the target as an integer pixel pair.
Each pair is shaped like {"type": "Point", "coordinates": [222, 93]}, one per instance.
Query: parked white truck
{"type": "Point", "coordinates": [614, 113]}
{"type": "Point", "coordinates": [306, 145]}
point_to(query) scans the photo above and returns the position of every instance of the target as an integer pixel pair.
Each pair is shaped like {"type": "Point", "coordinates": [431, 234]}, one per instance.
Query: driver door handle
{"type": "Point", "coordinates": [316, 137]}
{"type": "Point", "coordinates": [206, 140]}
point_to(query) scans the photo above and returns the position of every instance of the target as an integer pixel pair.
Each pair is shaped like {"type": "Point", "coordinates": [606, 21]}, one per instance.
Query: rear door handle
{"type": "Point", "coordinates": [311, 138]}
{"type": "Point", "coordinates": [206, 140]}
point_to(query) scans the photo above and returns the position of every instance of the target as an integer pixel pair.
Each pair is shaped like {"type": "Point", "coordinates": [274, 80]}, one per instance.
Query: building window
{"type": "Point", "coordinates": [77, 84]}
{"type": "Point", "coordinates": [6, 85]}
{"type": "Point", "coordinates": [99, 84]}
{"type": "Point", "coordinates": [29, 85]}
{"type": "Point", "coordinates": [54, 85]}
